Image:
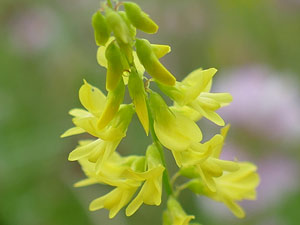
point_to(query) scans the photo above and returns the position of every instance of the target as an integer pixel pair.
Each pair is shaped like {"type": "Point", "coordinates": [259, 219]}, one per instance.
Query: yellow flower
{"type": "Point", "coordinates": [192, 96]}
{"type": "Point", "coordinates": [112, 173]}
{"type": "Point", "coordinates": [175, 131]}
{"type": "Point", "coordinates": [175, 215]}
{"type": "Point", "coordinates": [100, 150]}
{"type": "Point", "coordinates": [236, 186]}
{"type": "Point", "coordinates": [99, 109]}
{"type": "Point", "coordinates": [152, 188]}
{"type": "Point", "coordinates": [204, 160]}
{"type": "Point", "coordinates": [115, 200]}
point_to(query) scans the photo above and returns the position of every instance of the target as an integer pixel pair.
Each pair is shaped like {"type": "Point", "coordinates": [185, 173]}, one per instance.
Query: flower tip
{"type": "Point", "coordinates": [95, 205]}
{"type": "Point", "coordinates": [129, 212]}
{"type": "Point", "coordinates": [71, 157]}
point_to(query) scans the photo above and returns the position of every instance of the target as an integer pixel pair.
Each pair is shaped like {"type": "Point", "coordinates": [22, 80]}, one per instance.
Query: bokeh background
{"type": "Point", "coordinates": [47, 48]}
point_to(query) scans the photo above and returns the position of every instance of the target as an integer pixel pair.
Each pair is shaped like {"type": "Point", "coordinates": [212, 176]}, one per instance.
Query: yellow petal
{"type": "Point", "coordinates": [83, 151]}
{"type": "Point", "coordinates": [89, 124]}
{"type": "Point", "coordinates": [211, 115]}
{"type": "Point", "coordinates": [142, 111]}
{"type": "Point", "coordinates": [101, 59]}
{"type": "Point", "coordinates": [134, 205]}
{"type": "Point", "coordinates": [79, 113]}
{"type": "Point", "coordinates": [85, 182]}
{"type": "Point", "coordinates": [196, 82]}
{"type": "Point", "coordinates": [178, 133]}
{"type": "Point", "coordinates": [92, 98]}
{"type": "Point", "coordinates": [235, 208]}
{"type": "Point", "coordinates": [161, 50]}
{"type": "Point", "coordinates": [222, 98]}
{"type": "Point", "coordinates": [72, 131]}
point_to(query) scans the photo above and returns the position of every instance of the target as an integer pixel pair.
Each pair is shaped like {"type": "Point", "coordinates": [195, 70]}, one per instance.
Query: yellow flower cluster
{"type": "Point", "coordinates": [139, 179]}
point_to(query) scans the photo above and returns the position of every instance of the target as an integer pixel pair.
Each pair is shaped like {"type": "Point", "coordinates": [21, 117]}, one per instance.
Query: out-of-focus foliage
{"type": "Point", "coordinates": [47, 48]}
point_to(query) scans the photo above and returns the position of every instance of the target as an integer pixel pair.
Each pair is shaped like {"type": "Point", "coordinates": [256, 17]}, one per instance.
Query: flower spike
{"type": "Point", "coordinates": [140, 179]}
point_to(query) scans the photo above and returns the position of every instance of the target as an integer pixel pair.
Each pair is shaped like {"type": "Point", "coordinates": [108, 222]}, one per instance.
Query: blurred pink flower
{"type": "Point", "coordinates": [33, 29]}
{"type": "Point", "coordinates": [264, 102]}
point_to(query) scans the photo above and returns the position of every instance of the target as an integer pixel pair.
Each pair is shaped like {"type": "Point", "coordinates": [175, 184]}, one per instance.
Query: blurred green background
{"type": "Point", "coordinates": [47, 48]}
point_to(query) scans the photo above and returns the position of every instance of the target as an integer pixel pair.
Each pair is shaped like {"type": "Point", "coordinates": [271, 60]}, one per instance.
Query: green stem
{"type": "Point", "coordinates": [166, 178]}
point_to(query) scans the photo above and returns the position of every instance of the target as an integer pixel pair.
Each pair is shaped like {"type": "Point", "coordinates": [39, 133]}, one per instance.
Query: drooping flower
{"type": "Point", "coordinates": [116, 199]}
{"type": "Point", "coordinates": [151, 191]}
{"type": "Point", "coordinates": [232, 187]}
{"type": "Point", "coordinates": [203, 160]}
{"type": "Point", "coordinates": [100, 150]}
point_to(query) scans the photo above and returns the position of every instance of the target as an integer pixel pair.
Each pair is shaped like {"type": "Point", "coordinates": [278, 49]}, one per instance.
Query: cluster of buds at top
{"type": "Point", "coordinates": [106, 118]}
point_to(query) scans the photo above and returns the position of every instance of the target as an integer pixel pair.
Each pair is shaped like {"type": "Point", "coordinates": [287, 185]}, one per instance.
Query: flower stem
{"type": "Point", "coordinates": [166, 178]}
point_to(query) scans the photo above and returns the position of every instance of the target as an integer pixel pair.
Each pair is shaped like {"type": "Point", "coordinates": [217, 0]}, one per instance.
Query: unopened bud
{"type": "Point", "coordinates": [101, 29]}
{"type": "Point", "coordinates": [118, 26]}
{"type": "Point", "coordinates": [140, 19]}
{"type": "Point", "coordinates": [114, 66]}
{"type": "Point", "coordinates": [151, 63]}
{"type": "Point", "coordinates": [113, 102]}
{"type": "Point", "coordinates": [137, 93]}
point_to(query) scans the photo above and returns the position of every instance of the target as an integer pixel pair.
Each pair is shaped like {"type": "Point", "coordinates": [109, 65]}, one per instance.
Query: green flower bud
{"type": "Point", "coordinates": [127, 48]}
{"type": "Point", "coordinates": [101, 29]}
{"type": "Point", "coordinates": [114, 65]}
{"type": "Point", "coordinates": [153, 157]}
{"type": "Point", "coordinates": [140, 19]}
{"type": "Point", "coordinates": [189, 172]}
{"type": "Point", "coordinates": [131, 28]}
{"type": "Point", "coordinates": [113, 102]}
{"type": "Point", "coordinates": [118, 25]}
{"type": "Point", "coordinates": [175, 214]}
{"type": "Point", "coordinates": [138, 95]}
{"type": "Point", "coordinates": [139, 165]}
{"type": "Point", "coordinates": [159, 108]}
{"type": "Point", "coordinates": [196, 186]}
{"type": "Point", "coordinates": [151, 63]}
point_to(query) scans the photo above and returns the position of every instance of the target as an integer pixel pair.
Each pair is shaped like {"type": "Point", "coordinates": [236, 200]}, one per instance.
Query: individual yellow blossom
{"type": "Point", "coordinates": [175, 131]}
{"type": "Point", "coordinates": [193, 95]}
{"type": "Point", "coordinates": [236, 186]}
{"type": "Point", "coordinates": [115, 200]}
{"type": "Point", "coordinates": [100, 150]}
{"type": "Point", "coordinates": [98, 109]}
{"type": "Point", "coordinates": [96, 104]}
{"type": "Point", "coordinates": [152, 188]}
{"type": "Point", "coordinates": [112, 171]}
{"type": "Point", "coordinates": [175, 215]}
{"type": "Point", "coordinates": [204, 160]}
